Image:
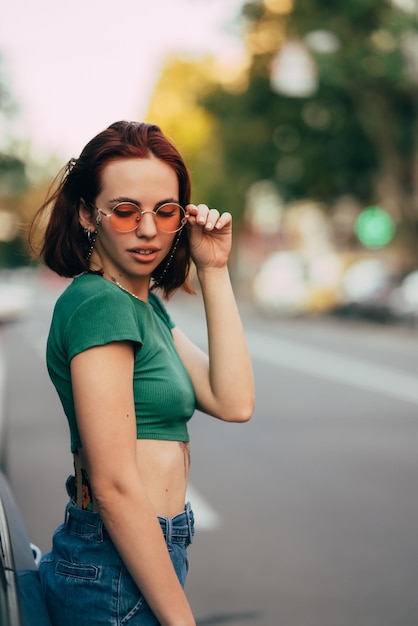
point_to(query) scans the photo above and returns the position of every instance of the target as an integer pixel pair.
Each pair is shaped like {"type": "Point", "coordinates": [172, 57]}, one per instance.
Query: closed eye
{"type": "Point", "coordinates": [125, 210]}
{"type": "Point", "coordinates": [163, 212]}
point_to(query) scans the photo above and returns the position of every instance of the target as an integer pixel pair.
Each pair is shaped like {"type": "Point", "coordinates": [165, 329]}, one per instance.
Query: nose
{"type": "Point", "coordinates": [147, 226]}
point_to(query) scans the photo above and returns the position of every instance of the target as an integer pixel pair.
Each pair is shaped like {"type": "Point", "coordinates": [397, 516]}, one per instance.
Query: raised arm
{"type": "Point", "coordinates": [102, 386]}
{"type": "Point", "coordinates": [223, 380]}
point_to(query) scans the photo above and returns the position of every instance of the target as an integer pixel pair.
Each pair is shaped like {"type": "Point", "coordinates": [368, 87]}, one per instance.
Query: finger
{"type": "Point", "coordinates": [196, 213]}
{"type": "Point", "coordinates": [191, 211]}
{"type": "Point", "coordinates": [211, 219]}
{"type": "Point", "coordinates": [207, 217]}
{"type": "Point", "coordinates": [224, 220]}
{"type": "Point", "coordinates": [202, 214]}
{"type": "Point", "coordinates": [191, 208]}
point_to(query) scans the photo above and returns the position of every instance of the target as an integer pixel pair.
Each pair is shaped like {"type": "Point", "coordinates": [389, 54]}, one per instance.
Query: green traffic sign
{"type": "Point", "coordinates": [374, 227]}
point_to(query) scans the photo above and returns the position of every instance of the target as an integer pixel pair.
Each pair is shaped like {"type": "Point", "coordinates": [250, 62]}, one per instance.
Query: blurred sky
{"type": "Point", "coordinates": [75, 67]}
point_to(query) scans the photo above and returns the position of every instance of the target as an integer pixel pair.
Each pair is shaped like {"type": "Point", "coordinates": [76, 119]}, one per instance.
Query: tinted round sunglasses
{"type": "Point", "coordinates": [126, 217]}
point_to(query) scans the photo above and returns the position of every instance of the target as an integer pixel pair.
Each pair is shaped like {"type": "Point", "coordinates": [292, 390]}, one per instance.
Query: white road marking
{"type": "Point", "coordinates": [347, 370]}
{"type": "Point", "coordinates": [206, 518]}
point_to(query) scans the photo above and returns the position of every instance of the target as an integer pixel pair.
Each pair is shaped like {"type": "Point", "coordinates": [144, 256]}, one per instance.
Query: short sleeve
{"type": "Point", "coordinates": [101, 319]}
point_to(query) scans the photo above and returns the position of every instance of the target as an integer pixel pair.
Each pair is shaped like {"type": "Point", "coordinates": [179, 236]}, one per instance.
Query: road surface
{"type": "Point", "coordinates": [308, 514]}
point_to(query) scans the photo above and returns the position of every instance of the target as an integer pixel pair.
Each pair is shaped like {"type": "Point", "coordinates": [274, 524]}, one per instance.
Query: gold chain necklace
{"type": "Point", "coordinates": [113, 279]}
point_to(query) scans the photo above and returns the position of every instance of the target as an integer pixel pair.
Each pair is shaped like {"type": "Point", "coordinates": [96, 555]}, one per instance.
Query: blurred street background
{"type": "Point", "coordinates": [301, 118]}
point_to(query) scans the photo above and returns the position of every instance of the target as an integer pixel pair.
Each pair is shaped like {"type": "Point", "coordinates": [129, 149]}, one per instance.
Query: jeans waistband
{"type": "Point", "coordinates": [176, 530]}
{"type": "Point", "coordinates": [180, 528]}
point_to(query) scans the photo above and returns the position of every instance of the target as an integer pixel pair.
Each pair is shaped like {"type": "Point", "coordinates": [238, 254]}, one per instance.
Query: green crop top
{"type": "Point", "coordinates": [92, 312]}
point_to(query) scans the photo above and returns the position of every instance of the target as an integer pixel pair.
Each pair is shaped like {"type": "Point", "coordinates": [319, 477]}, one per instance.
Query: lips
{"type": "Point", "coordinates": [144, 253]}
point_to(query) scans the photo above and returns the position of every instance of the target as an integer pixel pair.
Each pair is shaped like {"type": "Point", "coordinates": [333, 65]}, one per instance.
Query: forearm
{"type": "Point", "coordinates": [230, 370]}
{"type": "Point", "coordinates": [136, 533]}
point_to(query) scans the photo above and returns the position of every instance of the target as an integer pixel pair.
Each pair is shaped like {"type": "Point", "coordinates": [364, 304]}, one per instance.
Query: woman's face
{"type": "Point", "coordinates": [131, 257]}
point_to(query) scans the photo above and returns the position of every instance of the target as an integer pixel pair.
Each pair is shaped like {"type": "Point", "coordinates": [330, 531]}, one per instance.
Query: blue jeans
{"type": "Point", "coordinates": [84, 579]}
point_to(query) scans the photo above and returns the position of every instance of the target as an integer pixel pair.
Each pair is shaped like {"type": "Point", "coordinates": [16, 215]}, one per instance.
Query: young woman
{"type": "Point", "coordinates": [120, 222]}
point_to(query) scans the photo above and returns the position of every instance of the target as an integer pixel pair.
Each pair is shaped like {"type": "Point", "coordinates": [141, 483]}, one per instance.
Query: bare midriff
{"type": "Point", "coordinates": [163, 469]}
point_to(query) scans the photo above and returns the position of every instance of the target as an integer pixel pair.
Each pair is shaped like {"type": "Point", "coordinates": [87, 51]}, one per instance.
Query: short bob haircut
{"type": "Point", "coordinates": [65, 246]}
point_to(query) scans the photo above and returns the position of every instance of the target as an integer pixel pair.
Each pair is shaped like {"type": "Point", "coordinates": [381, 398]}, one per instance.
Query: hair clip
{"type": "Point", "coordinates": [70, 165]}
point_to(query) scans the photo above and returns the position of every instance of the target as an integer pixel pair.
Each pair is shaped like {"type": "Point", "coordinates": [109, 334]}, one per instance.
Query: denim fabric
{"type": "Point", "coordinates": [84, 579]}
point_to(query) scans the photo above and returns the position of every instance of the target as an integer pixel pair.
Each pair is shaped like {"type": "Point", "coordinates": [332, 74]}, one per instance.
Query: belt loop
{"type": "Point", "coordinates": [190, 521]}
{"type": "Point", "coordinates": [168, 532]}
{"type": "Point", "coordinates": [100, 529]}
{"type": "Point", "coordinates": [67, 510]}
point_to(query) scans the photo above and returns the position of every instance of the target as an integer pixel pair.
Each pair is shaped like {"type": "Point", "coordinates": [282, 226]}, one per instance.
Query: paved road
{"type": "Point", "coordinates": [308, 514]}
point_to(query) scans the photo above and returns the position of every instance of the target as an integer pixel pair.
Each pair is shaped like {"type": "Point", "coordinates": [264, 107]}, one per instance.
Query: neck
{"type": "Point", "coordinates": [114, 280]}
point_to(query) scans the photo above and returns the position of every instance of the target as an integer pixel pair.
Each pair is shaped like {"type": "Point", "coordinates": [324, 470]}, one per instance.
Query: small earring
{"type": "Point", "coordinates": [98, 218]}
{"type": "Point", "coordinates": [91, 237]}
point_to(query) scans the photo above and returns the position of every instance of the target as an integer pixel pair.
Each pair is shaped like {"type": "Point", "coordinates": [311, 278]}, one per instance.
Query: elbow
{"type": "Point", "coordinates": [240, 419]}
{"type": "Point", "coordinates": [106, 494]}
{"type": "Point", "coordinates": [244, 416]}
{"type": "Point", "coordinates": [110, 493]}
{"type": "Point", "coordinates": [240, 414]}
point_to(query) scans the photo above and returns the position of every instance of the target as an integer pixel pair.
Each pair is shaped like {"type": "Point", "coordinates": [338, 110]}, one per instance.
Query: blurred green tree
{"type": "Point", "coordinates": [175, 107]}
{"type": "Point", "coordinates": [330, 108]}
{"type": "Point", "coordinates": [13, 182]}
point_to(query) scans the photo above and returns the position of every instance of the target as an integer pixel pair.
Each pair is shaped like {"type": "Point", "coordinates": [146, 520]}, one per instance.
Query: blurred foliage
{"type": "Point", "coordinates": [358, 130]}
{"type": "Point", "coordinates": [355, 134]}
{"type": "Point", "coordinates": [24, 182]}
{"type": "Point", "coordinates": [175, 107]}
{"type": "Point", "coordinates": [179, 106]}
{"type": "Point", "coordinates": [13, 183]}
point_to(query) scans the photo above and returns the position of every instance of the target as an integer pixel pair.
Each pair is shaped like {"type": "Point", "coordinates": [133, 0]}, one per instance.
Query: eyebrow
{"type": "Point", "coordinates": [138, 204]}
{"type": "Point", "coordinates": [124, 199]}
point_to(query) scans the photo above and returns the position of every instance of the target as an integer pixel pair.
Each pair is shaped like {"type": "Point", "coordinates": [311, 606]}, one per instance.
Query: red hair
{"type": "Point", "coordinates": [65, 246]}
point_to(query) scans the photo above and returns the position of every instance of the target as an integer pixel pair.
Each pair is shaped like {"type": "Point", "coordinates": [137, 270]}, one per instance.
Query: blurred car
{"type": "Point", "coordinates": [21, 597]}
{"type": "Point", "coordinates": [367, 288]}
{"type": "Point", "coordinates": [404, 299]}
{"type": "Point", "coordinates": [290, 283]}
{"type": "Point", "coordinates": [280, 286]}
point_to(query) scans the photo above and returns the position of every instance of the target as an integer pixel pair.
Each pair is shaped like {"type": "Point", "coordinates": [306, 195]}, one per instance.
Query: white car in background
{"type": "Point", "coordinates": [21, 597]}
{"type": "Point", "coordinates": [404, 299]}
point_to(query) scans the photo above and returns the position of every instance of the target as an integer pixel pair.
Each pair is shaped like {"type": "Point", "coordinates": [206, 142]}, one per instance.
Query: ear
{"type": "Point", "coordinates": [85, 216]}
